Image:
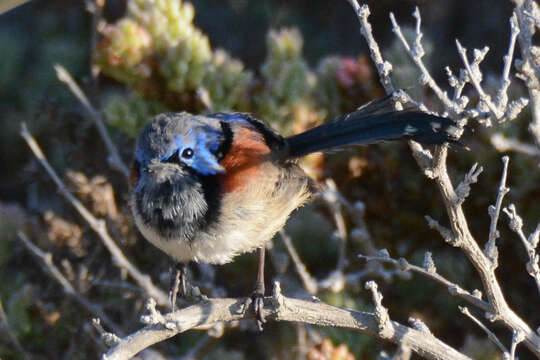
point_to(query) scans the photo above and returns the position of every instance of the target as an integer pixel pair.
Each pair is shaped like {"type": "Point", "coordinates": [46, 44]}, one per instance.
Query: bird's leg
{"type": "Point", "coordinates": [257, 297]}
{"type": "Point", "coordinates": [178, 283]}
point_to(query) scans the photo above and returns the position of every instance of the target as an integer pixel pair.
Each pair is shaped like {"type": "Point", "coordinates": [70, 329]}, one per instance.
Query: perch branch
{"type": "Point", "coordinates": [278, 308]}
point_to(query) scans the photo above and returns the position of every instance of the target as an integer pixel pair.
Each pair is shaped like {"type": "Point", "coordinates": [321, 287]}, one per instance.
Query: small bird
{"type": "Point", "coordinates": [206, 188]}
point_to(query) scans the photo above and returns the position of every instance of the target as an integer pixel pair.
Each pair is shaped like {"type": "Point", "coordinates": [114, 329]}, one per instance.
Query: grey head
{"type": "Point", "coordinates": [175, 185]}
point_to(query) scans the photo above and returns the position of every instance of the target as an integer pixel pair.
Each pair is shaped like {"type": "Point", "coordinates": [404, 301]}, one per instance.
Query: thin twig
{"type": "Point", "coordinates": [330, 196]}
{"type": "Point", "coordinates": [517, 337]}
{"type": "Point", "coordinates": [98, 225]}
{"type": "Point", "coordinates": [530, 244]}
{"type": "Point", "coordinates": [529, 71]}
{"type": "Point", "coordinates": [504, 144]}
{"type": "Point", "coordinates": [453, 288]}
{"type": "Point", "coordinates": [491, 248]}
{"type": "Point", "coordinates": [52, 270]}
{"type": "Point", "coordinates": [416, 57]}
{"type": "Point", "coordinates": [309, 284]}
{"type": "Point", "coordinates": [489, 333]}
{"type": "Point", "coordinates": [502, 97]}
{"type": "Point", "coordinates": [384, 68]}
{"type": "Point", "coordinates": [476, 82]}
{"type": "Point", "coordinates": [114, 158]}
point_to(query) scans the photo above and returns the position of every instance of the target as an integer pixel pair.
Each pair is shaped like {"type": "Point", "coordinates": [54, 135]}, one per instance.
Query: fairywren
{"type": "Point", "coordinates": [206, 188]}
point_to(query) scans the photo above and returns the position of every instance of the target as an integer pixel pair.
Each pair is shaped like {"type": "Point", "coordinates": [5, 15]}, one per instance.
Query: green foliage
{"type": "Point", "coordinates": [130, 113]}
{"type": "Point", "coordinates": [158, 51]}
{"type": "Point", "coordinates": [288, 81]}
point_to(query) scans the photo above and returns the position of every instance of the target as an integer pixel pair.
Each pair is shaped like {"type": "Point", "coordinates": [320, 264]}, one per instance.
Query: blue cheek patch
{"type": "Point", "coordinates": [204, 160]}
{"type": "Point", "coordinates": [204, 142]}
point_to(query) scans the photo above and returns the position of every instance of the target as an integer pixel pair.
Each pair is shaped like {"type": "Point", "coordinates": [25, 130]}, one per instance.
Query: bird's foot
{"type": "Point", "coordinates": [181, 287]}
{"type": "Point", "coordinates": [178, 283]}
{"type": "Point", "coordinates": [257, 299]}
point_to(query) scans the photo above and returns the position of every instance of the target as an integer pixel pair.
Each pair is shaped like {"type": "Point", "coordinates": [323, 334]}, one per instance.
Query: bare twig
{"type": "Point", "coordinates": [517, 337]}
{"type": "Point", "coordinates": [309, 284]}
{"type": "Point", "coordinates": [279, 308]}
{"type": "Point", "coordinates": [490, 250]}
{"type": "Point", "coordinates": [381, 313]}
{"type": "Point", "coordinates": [528, 14]}
{"type": "Point", "coordinates": [484, 267]}
{"type": "Point", "coordinates": [384, 68]}
{"type": "Point", "coordinates": [489, 333]}
{"type": "Point", "coordinates": [114, 157]}
{"type": "Point", "coordinates": [503, 144]}
{"type": "Point", "coordinates": [108, 338]}
{"type": "Point", "coordinates": [416, 53]}
{"type": "Point", "coordinates": [502, 97]}
{"type": "Point", "coordinates": [97, 225]}
{"type": "Point", "coordinates": [530, 244]}
{"type": "Point", "coordinates": [430, 273]}
{"type": "Point", "coordinates": [475, 76]}
{"type": "Point", "coordinates": [52, 270]}
{"type": "Point", "coordinates": [330, 196]}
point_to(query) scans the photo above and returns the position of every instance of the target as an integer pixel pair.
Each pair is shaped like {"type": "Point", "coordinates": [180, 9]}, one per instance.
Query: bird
{"type": "Point", "coordinates": [206, 188]}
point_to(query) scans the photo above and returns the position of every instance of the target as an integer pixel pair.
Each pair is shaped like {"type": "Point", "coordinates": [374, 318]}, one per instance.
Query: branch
{"type": "Point", "coordinates": [98, 225]}
{"type": "Point", "coordinates": [504, 144]}
{"type": "Point", "coordinates": [530, 244]}
{"type": "Point", "coordinates": [114, 158]}
{"type": "Point", "coordinates": [384, 68]}
{"type": "Point", "coordinates": [499, 309]}
{"type": "Point", "coordinates": [489, 333]}
{"type": "Point", "coordinates": [490, 250]}
{"type": "Point", "coordinates": [277, 308]}
{"type": "Point", "coordinates": [528, 14]}
{"type": "Point", "coordinates": [429, 271]}
{"type": "Point", "coordinates": [416, 53]}
{"type": "Point", "coordinates": [475, 76]}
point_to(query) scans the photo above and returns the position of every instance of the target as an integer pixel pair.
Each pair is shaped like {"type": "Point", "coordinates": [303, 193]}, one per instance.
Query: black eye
{"type": "Point", "coordinates": [187, 153]}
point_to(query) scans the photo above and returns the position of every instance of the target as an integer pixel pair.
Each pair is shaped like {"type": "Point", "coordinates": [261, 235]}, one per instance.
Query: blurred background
{"type": "Point", "coordinates": [292, 63]}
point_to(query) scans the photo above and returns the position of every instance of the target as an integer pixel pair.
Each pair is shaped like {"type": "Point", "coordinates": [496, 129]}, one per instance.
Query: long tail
{"type": "Point", "coordinates": [375, 122]}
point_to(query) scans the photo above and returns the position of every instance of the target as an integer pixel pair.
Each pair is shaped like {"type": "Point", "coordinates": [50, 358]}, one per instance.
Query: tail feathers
{"type": "Point", "coordinates": [373, 123]}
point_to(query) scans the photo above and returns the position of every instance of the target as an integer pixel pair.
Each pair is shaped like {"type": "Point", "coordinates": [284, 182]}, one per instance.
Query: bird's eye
{"type": "Point", "coordinates": [187, 153]}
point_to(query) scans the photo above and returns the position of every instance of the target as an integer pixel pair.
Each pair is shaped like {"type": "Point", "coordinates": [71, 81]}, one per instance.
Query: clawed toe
{"type": "Point", "coordinates": [257, 300]}
{"type": "Point", "coordinates": [178, 283]}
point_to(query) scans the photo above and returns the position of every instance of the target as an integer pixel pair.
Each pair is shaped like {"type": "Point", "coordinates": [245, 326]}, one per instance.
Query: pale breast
{"type": "Point", "coordinates": [251, 215]}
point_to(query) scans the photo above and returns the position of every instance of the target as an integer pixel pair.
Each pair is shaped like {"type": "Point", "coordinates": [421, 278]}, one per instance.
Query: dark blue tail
{"type": "Point", "coordinates": [373, 123]}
